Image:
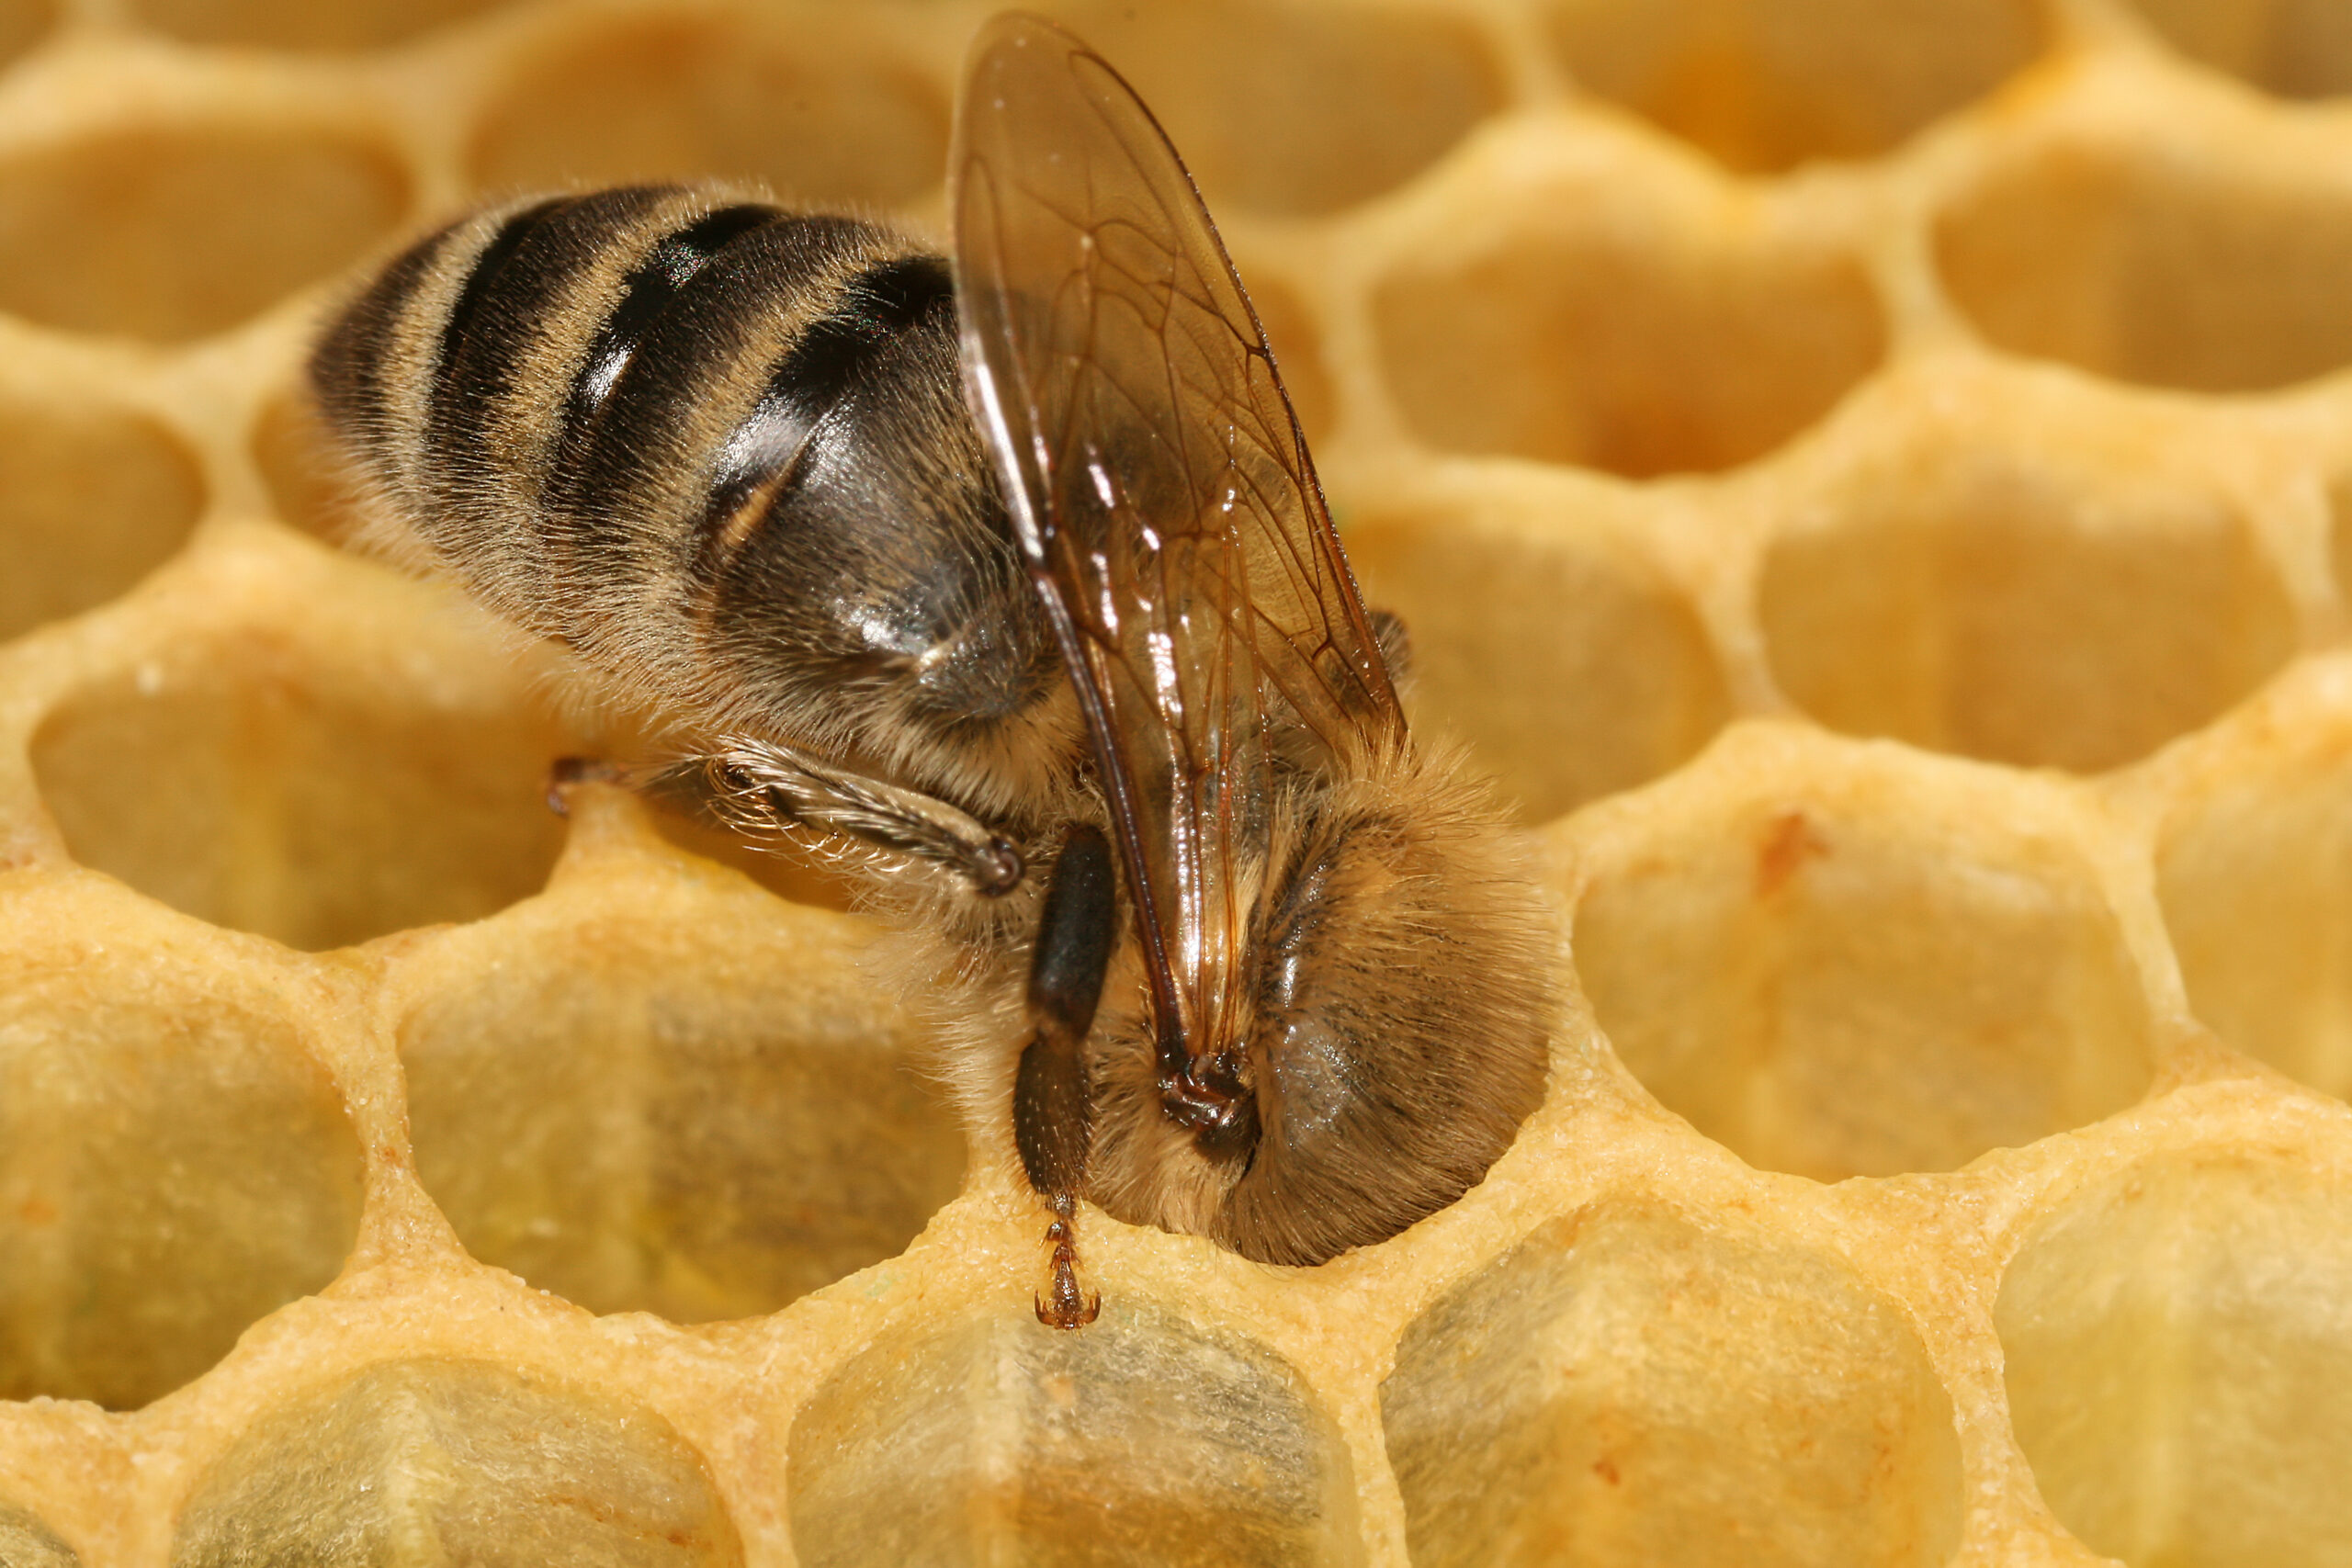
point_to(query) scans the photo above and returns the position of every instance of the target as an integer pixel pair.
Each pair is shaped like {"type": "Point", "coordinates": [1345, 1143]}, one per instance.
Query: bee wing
{"type": "Point", "coordinates": [1160, 487]}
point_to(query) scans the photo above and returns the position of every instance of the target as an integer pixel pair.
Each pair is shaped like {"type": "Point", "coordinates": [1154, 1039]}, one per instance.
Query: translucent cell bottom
{"type": "Point", "coordinates": [2178, 1345]}
{"type": "Point", "coordinates": [1139, 1440]}
{"type": "Point", "coordinates": [25, 1542]}
{"type": "Point", "coordinates": [434, 1462]}
{"type": "Point", "coordinates": [691, 1106]}
{"type": "Point", "coordinates": [1625, 1388]}
{"type": "Point", "coordinates": [2256, 884]}
{"type": "Point", "coordinates": [263, 786]}
{"type": "Point", "coordinates": [1857, 986]}
{"type": "Point", "coordinates": [173, 1166]}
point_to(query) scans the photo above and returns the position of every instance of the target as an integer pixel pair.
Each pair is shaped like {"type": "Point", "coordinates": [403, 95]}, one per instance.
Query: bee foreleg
{"type": "Point", "coordinates": [764, 788]}
{"type": "Point", "coordinates": [1052, 1110]}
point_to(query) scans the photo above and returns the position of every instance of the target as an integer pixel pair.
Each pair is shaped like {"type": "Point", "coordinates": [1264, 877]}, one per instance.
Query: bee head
{"type": "Point", "coordinates": [1392, 1037]}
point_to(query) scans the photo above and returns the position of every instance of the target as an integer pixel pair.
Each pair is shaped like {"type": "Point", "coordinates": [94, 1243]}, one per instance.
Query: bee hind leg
{"type": "Point", "coordinates": [765, 790]}
{"type": "Point", "coordinates": [1052, 1127]}
{"type": "Point", "coordinates": [1053, 1115]}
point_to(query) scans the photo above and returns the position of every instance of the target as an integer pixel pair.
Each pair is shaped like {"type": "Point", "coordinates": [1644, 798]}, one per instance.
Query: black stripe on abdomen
{"type": "Point", "coordinates": [526, 281]}
{"type": "Point", "coordinates": [464, 327]}
{"type": "Point", "coordinates": [787, 426]}
{"type": "Point", "coordinates": [656, 405]}
{"type": "Point", "coordinates": [650, 288]}
{"type": "Point", "coordinates": [347, 369]}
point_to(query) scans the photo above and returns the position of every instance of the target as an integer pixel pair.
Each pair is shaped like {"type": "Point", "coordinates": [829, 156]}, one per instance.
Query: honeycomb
{"type": "Point", "coordinates": [1871, 479]}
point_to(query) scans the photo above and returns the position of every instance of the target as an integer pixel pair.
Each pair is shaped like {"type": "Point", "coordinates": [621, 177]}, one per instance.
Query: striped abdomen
{"type": "Point", "coordinates": [721, 450]}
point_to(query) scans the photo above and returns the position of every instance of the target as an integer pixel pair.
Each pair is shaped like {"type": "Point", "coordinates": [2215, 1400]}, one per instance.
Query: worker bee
{"type": "Point", "coordinates": [1010, 576]}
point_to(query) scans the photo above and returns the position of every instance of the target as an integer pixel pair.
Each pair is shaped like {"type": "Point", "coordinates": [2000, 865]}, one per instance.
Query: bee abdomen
{"type": "Point", "coordinates": [717, 447]}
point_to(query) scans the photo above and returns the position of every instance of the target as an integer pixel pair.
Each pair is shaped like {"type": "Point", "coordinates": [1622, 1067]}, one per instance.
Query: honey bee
{"type": "Point", "coordinates": [1010, 574]}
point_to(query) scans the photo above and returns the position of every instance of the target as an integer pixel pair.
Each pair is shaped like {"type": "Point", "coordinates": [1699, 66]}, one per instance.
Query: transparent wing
{"type": "Point", "coordinates": [1160, 489]}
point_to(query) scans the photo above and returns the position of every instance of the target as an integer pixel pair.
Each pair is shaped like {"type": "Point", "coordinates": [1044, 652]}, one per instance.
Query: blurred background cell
{"type": "Point", "coordinates": [1765, 86]}
{"type": "Point", "coordinates": [2298, 49]}
{"type": "Point", "coordinates": [342, 25]}
{"type": "Point", "coordinates": [91, 501]}
{"type": "Point", "coordinates": [818, 111]}
{"type": "Point", "coordinates": [460, 1460]}
{"type": "Point", "coordinates": [171, 233]}
{"type": "Point", "coordinates": [2162, 260]}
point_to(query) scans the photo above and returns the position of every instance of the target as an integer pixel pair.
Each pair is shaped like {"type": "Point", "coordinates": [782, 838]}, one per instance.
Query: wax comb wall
{"type": "Point", "coordinates": [1873, 482]}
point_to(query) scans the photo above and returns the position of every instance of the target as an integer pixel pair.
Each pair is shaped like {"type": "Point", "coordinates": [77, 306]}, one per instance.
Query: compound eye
{"type": "Point", "coordinates": [1309, 1079]}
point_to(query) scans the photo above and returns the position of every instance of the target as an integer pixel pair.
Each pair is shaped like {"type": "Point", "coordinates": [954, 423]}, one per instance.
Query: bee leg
{"type": "Point", "coordinates": [764, 788]}
{"type": "Point", "coordinates": [1052, 1109]}
{"type": "Point", "coordinates": [1052, 1127]}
